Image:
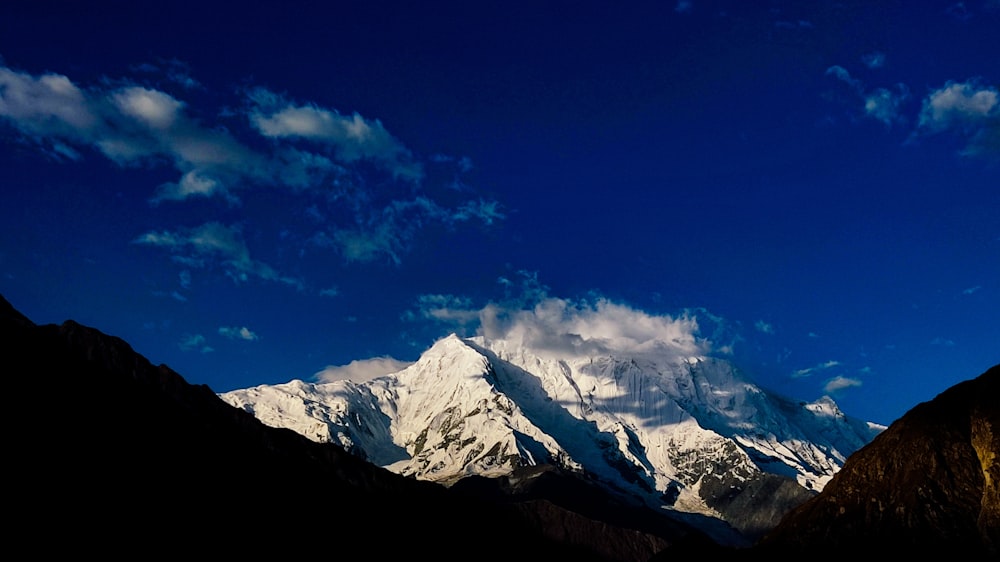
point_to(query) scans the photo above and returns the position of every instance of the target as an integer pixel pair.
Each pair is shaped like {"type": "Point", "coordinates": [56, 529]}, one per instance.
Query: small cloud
{"type": "Point", "coordinates": [942, 341]}
{"type": "Point", "coordinates": [329, 292]}
{"type": "Point", "coordinates": [972, 290]}
{"type": "Point", "coordinates": [449, 309]}
{"type": "Point", "coordinates": [184, 278]}
{"type": "Point", "coordinates": [683, 7]}
{"type": "Point", "coordinates": [813, 335]}
{"type": "Point", "coordinates": [967, 109]}
{"type": "Point", "coordinates": [809, 371]}
{"type": "Point", "coordinates": [240, 333]}
{"type": "Point", "coordinates": [195, 342]}
{"type": "Point", "coordinates": [764, 327]}
{"type": "Point", "coordinates": [874, 59]}
{"type": "Point", "coordinates": [840, 383]}
{"type": "Point", "coordinates": [361, 370]}
{"type": "Point", "coordinates": [881, 104]}
{"type": "Point", "coordinates": [178, 297]}
{"type": "Point", "coordinates": [884, 105]}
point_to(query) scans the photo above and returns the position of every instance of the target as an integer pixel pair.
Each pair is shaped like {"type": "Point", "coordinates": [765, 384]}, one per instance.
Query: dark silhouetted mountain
{"type": "Point", "coordinates": [111, 455]}
{"type": "Point", "coordinates": [929, 484]}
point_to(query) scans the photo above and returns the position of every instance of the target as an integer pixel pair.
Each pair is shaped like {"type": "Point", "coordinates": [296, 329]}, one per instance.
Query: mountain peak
{"type": "Point", "coordinates": [686, 434]}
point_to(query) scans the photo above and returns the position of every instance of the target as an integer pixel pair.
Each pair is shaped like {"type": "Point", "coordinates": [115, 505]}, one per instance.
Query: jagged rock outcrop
{"type": "Point", "coordinates": [928, 484]}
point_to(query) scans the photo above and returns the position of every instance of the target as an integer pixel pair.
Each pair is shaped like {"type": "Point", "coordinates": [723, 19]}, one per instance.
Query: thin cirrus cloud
{"type": "Point", "coordinates": [809, 371]}
{"type": "Point", "coordinates": [307, 146]}
{"type": "Point", "coordinates": [214, 245]}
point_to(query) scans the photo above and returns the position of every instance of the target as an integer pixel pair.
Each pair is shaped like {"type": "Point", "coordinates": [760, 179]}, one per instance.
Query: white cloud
{"type": "Point", "coordinates": [568, 328]}
{"type": "Point", "coordinates": [137, 125]}
{"type": "Point", "coordinates": [329, 292]}
{"type": "Point", "coordinates": [840, 383]}
{"type": "Point", "coordinates": [155, 109]}
{"type": "Point", "coordinates": [353, 136]}
{"type": "Point", "coordinates": [967, 109]}
{"type": "Point", "coordinates": [959, 104]}
{"type": "Point", "coordinates": [237, 333]}
{"type": "Point", "coordinates": [361, 370]}
{"type": "Point", "coordinates": [972, 290]}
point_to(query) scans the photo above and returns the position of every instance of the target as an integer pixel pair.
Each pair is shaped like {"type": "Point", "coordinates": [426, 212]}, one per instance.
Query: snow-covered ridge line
{"type": "Point", "coordinates": [659, 426]}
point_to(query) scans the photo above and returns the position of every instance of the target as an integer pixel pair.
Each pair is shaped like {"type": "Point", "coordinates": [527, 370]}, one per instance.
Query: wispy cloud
{"type": "Point", "coordinates": [195, 342]}
{"type": "Point", "coordinates": [352, 136]}
{"type": "Point", "coordinates": [299, 146]}
{"type": "Point", "coordinates": [809, 371]}
{"type": "Point", "coordinates": [875, 59]}
{"type": "Point", "coordinates": [881, 104]}
{"type": "Point", "coordinates": [943, 341]}
{"type": "Point", "coordinates": [840, 383]}
{"type": "Point", "coordinates": [972, 290]}
{"type": "Point", "coordinates": [968, 109]}
{"type": "Point", "coordinates": [683, 7]}
{"type": "Point", "coordinates": [450, 309]}
{"type": "Point", "coordinates": [237, 333]}
{"type": "Point", "coordinates": [214, 244]}
{"type": "Point", "coordinates": [764, 327]}
{"type": "Point", "coordinates": [361, 370]}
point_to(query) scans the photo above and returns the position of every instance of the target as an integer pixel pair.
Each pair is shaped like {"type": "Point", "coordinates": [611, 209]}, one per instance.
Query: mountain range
{"type": "Point", "coordinates": [688, 435]}
{"type": "Point", "coordinates": [111, 455]}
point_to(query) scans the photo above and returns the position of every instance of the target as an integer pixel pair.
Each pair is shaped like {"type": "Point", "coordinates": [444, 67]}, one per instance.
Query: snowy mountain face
{"type": "Point", "coordinates": [688, 434]}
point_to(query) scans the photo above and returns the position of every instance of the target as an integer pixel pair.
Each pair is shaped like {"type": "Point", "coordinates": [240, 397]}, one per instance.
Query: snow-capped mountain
{"type": "Point", "coordinates": [688, 434]}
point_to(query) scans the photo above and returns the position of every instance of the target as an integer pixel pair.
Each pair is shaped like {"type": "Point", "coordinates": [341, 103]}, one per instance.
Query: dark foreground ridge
{"type": "Point", "coordinates": [928, 484]}
{"type": "Point", "coordinates": [112, 455]}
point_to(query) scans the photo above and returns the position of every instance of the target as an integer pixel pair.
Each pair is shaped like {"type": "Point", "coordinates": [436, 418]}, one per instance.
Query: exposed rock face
{"type": "Point", "coordinates": [929, 483]}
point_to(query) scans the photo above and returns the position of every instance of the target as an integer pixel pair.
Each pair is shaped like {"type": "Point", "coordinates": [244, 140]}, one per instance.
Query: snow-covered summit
{"type": "Point", "coordinates": [673, 429]}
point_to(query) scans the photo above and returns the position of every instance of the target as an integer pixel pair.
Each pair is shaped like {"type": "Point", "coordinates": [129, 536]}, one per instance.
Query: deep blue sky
{"type": "Point", "coordinates": [251, 194]}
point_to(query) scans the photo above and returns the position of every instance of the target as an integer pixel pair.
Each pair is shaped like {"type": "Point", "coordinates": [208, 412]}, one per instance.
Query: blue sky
{"type": "Point", "coordinates": [258, 193]}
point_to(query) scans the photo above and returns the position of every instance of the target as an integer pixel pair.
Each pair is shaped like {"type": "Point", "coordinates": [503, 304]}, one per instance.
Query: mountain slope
{"type": "Point", "coordinates": [690, 434]}
{"type": "Point", "coordinates": [111, 455]}
{"type": "Point", "coordinates": [930, 483]}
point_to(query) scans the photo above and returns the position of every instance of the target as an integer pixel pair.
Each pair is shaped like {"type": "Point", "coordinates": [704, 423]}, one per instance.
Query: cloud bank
{"type": "Point", "coordinates": [361, 370]}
